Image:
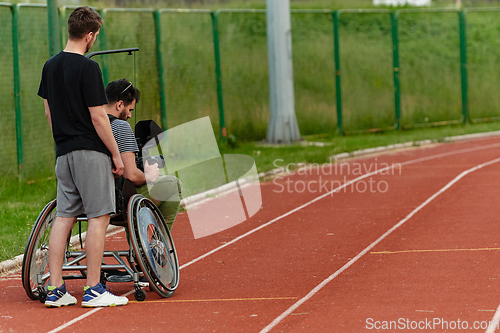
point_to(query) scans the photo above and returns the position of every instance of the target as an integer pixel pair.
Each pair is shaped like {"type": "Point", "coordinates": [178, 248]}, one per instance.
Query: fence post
{"type": "Point", "coordinates": [62, 24]}
{"type": "Point", "coordinates": [338, 89]}
{"type": "Point", "coordinates": [103, 43]}
{"type": "Point", "coordinates": [220, 100]}
{"type": "Point", "coordinates": [463, 65]}
{"type": "Point", "coordinates": [17, 91]}
{"type": "Point", "coordinates": [54, 29]}
{"type": "Point", "coordinates": [159, 60]}
{"type": "Point", "coordinates": [395, 60]}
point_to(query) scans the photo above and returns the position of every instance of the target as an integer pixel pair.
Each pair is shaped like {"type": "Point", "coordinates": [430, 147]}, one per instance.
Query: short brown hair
{"type": "Point", "coordinates": [82, 21]}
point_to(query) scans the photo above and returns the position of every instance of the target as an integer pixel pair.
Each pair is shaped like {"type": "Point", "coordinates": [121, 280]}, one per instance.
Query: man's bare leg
{"type": "Point", "coordinates": [94, 294]}
{"type": "Point", "coordinates": [94, 247]}
{"type": "Point", "coordinates": [57, 247]}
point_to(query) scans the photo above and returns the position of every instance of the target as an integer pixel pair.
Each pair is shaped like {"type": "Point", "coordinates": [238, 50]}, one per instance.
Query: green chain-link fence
{"type": "Point", "coordinates": [8, 116]}
{"type": "Point", "coordinates": [187, 53]}
{"type": "Point", "coordinates": [38, 145]}
{"type": "Point", "coordinates": [430, 75]}
{"type": "Point", "coordinates": [354, 70]}
{"type": "Point", "coordinates": [483, 45]}
{"type": "Point", "coordinates": [313, 71]}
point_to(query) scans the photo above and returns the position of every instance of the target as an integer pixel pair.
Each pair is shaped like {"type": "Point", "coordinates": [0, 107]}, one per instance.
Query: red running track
{"type": "Point", "coordinates": [418, 253]}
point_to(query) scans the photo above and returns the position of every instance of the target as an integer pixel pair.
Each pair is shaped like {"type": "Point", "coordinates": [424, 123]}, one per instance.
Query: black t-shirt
{"type": "Point", "coordinates": [71, 83]}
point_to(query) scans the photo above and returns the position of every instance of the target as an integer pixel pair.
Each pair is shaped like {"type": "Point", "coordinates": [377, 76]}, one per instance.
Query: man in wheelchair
{"type": "Point", "coordinates": [122, 98]}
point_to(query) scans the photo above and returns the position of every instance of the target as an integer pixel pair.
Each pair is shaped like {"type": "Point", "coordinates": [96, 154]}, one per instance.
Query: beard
{"type": "Point", "coordinates": [123, 115]}
{"type": "Point", "coordinates": [89, 45]}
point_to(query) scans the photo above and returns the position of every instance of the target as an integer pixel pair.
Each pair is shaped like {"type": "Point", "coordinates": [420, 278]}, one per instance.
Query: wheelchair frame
{"type": "Point", "coordinates": [151, 253]}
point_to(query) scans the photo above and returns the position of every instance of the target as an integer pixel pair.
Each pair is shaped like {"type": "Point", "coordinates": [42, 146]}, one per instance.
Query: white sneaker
{"type": "Point", "coordinates": [58, 297]}
{"type": "Point", "coordinates": [100, 296]}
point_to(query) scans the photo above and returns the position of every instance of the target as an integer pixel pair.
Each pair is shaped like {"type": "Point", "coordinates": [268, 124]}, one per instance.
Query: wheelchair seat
{"type": "Point", "coordinates": [124, 190]}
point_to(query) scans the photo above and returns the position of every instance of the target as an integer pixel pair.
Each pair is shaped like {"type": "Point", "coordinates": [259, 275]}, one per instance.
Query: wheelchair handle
{"type": "Point", "coordinates": [129, 50]}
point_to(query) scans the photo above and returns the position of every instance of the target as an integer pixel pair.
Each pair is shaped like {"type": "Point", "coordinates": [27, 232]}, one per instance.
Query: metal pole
{"type": "Point", "coordinates": [17, 91]}
{"type": "Point", "coordinates": [395, 60]}
{"type": "Point", "coordinates": [159, 60]}
{"type": "Point", "coordinates": [103, 43]}
{"type": "Point", "coordinates": [338, 88]}
{"type": "Point", "coordinates": [62, 25]}
{"type": "Point", "coordinates": [463, 65]}
{"type": "Point", "coordinates": [54, 28]}
{"type": "Point", "coordinates": [220, 99]}
{"type": "Point", "coordinates": [282, 127]}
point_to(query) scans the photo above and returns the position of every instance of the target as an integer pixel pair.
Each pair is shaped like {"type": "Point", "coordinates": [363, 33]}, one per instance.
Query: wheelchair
{"type": "Point", "coordinates": [151, 251]}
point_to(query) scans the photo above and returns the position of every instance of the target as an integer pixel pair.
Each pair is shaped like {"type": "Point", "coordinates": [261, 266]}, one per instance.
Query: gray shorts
{"type": "Point", "coordinates": [85, 184]}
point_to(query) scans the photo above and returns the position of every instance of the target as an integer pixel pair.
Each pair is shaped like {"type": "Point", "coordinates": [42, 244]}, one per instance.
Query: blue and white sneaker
{"type": "Point", "coordinates": [58, 297]}
{"type": "Point", "coordinates": [100, 296]}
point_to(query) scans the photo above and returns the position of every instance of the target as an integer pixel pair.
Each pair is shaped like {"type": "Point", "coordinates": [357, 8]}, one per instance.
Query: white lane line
{"type": "Point", "coordinates": [71, 322]}
{"type": "Point", "coordinates": [83, 316]}
{"type": "Point", "coordinates": [278, 319]}
{"type": "Point", "coordinates": [494, 322]}
{"type": "Point", "coordinates": [422, 159]}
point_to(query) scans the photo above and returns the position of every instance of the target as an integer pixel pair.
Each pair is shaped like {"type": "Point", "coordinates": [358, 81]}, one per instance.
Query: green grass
{"type": "Point", "coordinates": [20, 204]}
{"type": "Point", "coordinates": [265, 156]}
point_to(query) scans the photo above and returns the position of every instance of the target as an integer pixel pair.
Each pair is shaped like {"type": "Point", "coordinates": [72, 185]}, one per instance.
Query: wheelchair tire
{"type": "Point", "coordinates": [140, 295]}
{"type": "Point", "coordinates": [153, 245]}
{"type": "Point", "coordinates": [36, 254]}
{"type": "Point", "coordinates": [42, 296]}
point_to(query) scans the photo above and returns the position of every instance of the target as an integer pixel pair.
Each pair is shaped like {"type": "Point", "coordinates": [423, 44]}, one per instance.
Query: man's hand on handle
{"type": "Point", "coordinates": [151, 172]}
{"type": "Point", "coordinates": [117, 166]}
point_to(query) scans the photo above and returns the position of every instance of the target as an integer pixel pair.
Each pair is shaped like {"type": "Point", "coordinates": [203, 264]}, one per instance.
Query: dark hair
{"type": "Point", "coordinates": [82, 21]}
{"type": "Point", "coordinates": [122, 90]}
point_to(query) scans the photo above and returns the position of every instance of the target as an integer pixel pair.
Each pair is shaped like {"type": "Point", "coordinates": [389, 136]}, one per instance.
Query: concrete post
{"type": "Point", "coordinates": [282, 127]}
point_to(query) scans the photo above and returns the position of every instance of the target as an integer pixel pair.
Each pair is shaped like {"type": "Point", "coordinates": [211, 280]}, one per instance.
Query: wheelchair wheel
{"type": "Point", "coordinates": [153, 245]}
{"type": "Point", "coordinates": [36, 254]}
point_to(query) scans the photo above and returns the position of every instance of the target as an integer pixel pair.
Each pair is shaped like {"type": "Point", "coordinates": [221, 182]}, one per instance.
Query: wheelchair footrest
{"type": "Point", "coordinates": [119, 278]}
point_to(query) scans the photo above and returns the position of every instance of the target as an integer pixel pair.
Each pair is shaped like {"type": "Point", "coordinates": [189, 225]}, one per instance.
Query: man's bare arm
{"type": "Point", "coordinates": [47, 112]}
{"type": "Point", "coordinates": [130, 170]}
{"type": "Point", "coordinates": [136, 175]}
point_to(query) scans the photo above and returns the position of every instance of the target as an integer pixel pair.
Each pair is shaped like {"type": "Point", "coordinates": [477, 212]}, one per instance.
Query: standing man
{"type": "Point", "coordinates": [122, 98]}
{"type": "Point", "coordinates": [87, 157]}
